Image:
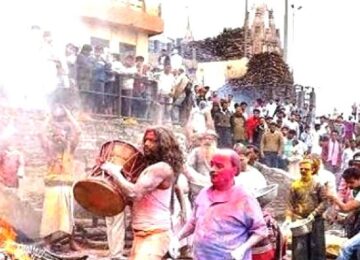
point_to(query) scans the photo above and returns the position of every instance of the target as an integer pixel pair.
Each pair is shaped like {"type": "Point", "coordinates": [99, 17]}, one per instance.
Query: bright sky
{"type": "Point", "coordinates": [324, 52]}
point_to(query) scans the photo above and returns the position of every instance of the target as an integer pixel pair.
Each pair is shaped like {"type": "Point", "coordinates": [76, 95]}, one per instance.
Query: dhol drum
{"type": "Point", "coordinates": [99, 193]}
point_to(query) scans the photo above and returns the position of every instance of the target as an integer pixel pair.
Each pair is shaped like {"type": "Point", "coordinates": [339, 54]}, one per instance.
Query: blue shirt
{"type": "Point", "coordinates": [223, 221]}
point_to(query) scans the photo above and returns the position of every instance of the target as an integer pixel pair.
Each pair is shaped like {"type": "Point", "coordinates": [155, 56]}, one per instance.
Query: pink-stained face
{"type": "Point", "coordinates": [222, 172]}
{"type": "Point", "coordinates": [150, 143]}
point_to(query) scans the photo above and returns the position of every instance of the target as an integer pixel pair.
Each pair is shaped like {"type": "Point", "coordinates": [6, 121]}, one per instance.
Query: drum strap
{"type": "Point", "coordinates": [172, 201]}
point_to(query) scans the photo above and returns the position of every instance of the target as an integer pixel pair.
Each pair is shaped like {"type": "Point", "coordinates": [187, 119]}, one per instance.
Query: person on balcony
{"type": "Point", "coordinates": [165, 85]}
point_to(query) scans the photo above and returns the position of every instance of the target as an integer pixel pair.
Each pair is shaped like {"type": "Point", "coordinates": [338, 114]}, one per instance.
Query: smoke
{"type": "Point", "coordinates": [29, 74]}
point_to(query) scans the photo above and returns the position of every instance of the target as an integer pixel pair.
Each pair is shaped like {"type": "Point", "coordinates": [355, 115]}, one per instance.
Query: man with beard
{"type": "Point", "coordinates": [152, 193]}
{"type": "Point", "coordinates": [198, 164]}
{"type": "Point", "coordinates": [59, 140]}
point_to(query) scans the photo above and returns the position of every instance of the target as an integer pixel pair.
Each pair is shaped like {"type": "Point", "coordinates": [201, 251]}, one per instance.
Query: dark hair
{"type": "Point", "coordinates": [256, 111]}
{"type": "Point", "coordinates": [356, 155]}
{"type": "Point", "coordinates": [243, 103]}
{"type": "Point", "coordinates": [86, 48]}
{"type": "Point", "coordinates": [139, 58]}
{"type": "Point", "coordinates": [170, 151]}
{"type": "Point", "coordinates": [99, 48]}
{"type": "Point", "coordinates": [292, 131]}
{"type": "Point", "coordinates": [256, 150]}
{"type": "Point", "coordinates": [129, 57]}
{"type": "Point", "coordinates": [351, 173]}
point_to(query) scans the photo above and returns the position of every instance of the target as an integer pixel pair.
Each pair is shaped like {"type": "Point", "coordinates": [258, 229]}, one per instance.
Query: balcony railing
{"type": "Point", "coordinates": [111, 99]}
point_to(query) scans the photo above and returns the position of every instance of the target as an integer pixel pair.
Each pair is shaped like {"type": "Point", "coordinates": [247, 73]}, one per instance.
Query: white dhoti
{"type": "Point", "coordinates": [115, 231]}
{"type": "Point", "coordinates": [58, 210]}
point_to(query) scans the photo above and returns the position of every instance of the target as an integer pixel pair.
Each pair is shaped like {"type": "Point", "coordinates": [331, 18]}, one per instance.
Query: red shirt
{"type": "Point", "coordinates": [9, 165]}
{"type": "Point", "coordinates": [250, 126]}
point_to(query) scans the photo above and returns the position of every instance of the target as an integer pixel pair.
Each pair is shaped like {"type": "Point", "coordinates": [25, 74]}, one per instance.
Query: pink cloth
{"type": "Point", "coordinates": [334, 150]}
{"type": "Point", "coordinates": [152, 212]}
{"type": "Point", "coordinates": [344, 191]}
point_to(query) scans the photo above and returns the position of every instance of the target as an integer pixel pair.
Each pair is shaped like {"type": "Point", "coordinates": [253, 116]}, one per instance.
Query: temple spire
{"type": "Point", "coordinates": [188, 34]}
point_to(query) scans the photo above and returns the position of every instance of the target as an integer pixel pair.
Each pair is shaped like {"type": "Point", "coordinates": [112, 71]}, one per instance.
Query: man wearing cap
{"type": "Point", "coordinates": [198, 163]}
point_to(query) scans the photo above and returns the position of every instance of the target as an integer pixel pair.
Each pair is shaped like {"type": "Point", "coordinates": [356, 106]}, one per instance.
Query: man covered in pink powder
{"type": "Point", "coordinates": [227, 221]}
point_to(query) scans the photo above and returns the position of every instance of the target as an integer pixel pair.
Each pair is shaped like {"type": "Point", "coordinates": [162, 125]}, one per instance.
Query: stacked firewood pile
{"type": "Point", "coordinates": [265, 69]}
{"type": "Point", "coordinates": [226, 46]}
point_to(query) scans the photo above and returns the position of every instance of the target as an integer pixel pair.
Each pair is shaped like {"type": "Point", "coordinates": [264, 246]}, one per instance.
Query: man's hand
{"type": "Point", "coordinates": [311, 217]}
{"type": "Point", "coordinates": [111, 168]}
{"type": "Point", "coordinates": [239, 253]}
{"type": "Point", "coordinates": [285, 228]}
{"type": "Point", "coordinates": [174, 247]}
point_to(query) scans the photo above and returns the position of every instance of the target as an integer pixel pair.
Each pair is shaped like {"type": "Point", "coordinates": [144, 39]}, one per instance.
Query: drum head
{"type": "Point", "coordinates": [126, 155]}
{"type": "Point", "coordinates": [98, 197]}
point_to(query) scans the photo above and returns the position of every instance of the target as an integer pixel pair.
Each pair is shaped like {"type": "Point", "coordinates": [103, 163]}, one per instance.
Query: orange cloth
{"type": "Point", "coordinates": [57, 211]}
{"type": "Point", "coordinates": [150, 245]}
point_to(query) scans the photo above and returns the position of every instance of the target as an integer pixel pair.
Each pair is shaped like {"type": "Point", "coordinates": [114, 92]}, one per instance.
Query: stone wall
{"type": "Point", "coordinates": [276, 176]}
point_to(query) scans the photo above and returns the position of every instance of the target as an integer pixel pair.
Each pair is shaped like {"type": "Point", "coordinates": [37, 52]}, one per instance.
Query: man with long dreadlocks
{"type": "Point", "coordinates": [152, 193]}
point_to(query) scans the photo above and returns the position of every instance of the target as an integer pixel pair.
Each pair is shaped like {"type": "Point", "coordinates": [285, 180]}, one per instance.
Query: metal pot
{"type": "Point", "coordinates": [267, 194]}
{"type": "Point", "coordinates": [301, 227]}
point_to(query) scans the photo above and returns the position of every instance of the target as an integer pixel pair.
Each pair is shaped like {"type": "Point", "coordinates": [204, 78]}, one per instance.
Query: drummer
{"type": "Point", "coordinates": [307, 201]}
{"type": "Point", "coordinates": [152, 193]}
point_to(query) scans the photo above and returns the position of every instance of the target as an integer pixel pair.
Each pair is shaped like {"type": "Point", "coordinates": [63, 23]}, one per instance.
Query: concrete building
{"type": "Point", "coordinates": [121, 25]}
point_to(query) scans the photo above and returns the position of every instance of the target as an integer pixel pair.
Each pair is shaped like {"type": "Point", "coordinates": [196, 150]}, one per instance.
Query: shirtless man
{"type": "Point", "coordinates": [198, 163]}
{"type": "Point", "coordinates": [151, 194]}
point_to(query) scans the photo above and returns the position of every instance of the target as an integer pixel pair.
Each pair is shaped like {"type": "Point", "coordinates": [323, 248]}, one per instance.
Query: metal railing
{"type": "Point", "coordinates": [112, 99]}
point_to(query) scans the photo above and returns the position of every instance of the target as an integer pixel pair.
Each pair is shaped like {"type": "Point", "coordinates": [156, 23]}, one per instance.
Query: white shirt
{"type": "Point", "coordinates": [316, 148]}
{"type": "Point", "coordinates": [323, 129]}
{"type": "Point", "coordinates": [324, 176]}
{"type": "Point", "coordinates": [251, 179]}
{"type": "Point", "coordinates": [232, 106]}
{"type": "Point", "coordinates": [128, 82]}
{"type": "Point", "coordinates": [294, 126]}
{"type": "Point", "coordinates": [347, 156]}
{"type": "Point", "coordinates": [271, 109]}
{"type": "Point", "coordinates": [166, 83]}
{"type": "Point", "coordinates": [176, 61]}
{"type": "Point", "coordinates": [198, 120]}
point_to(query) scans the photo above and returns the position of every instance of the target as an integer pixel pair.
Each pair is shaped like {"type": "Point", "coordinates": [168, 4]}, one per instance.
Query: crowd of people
{"type": "Point", "coordinates": [204, 196]}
